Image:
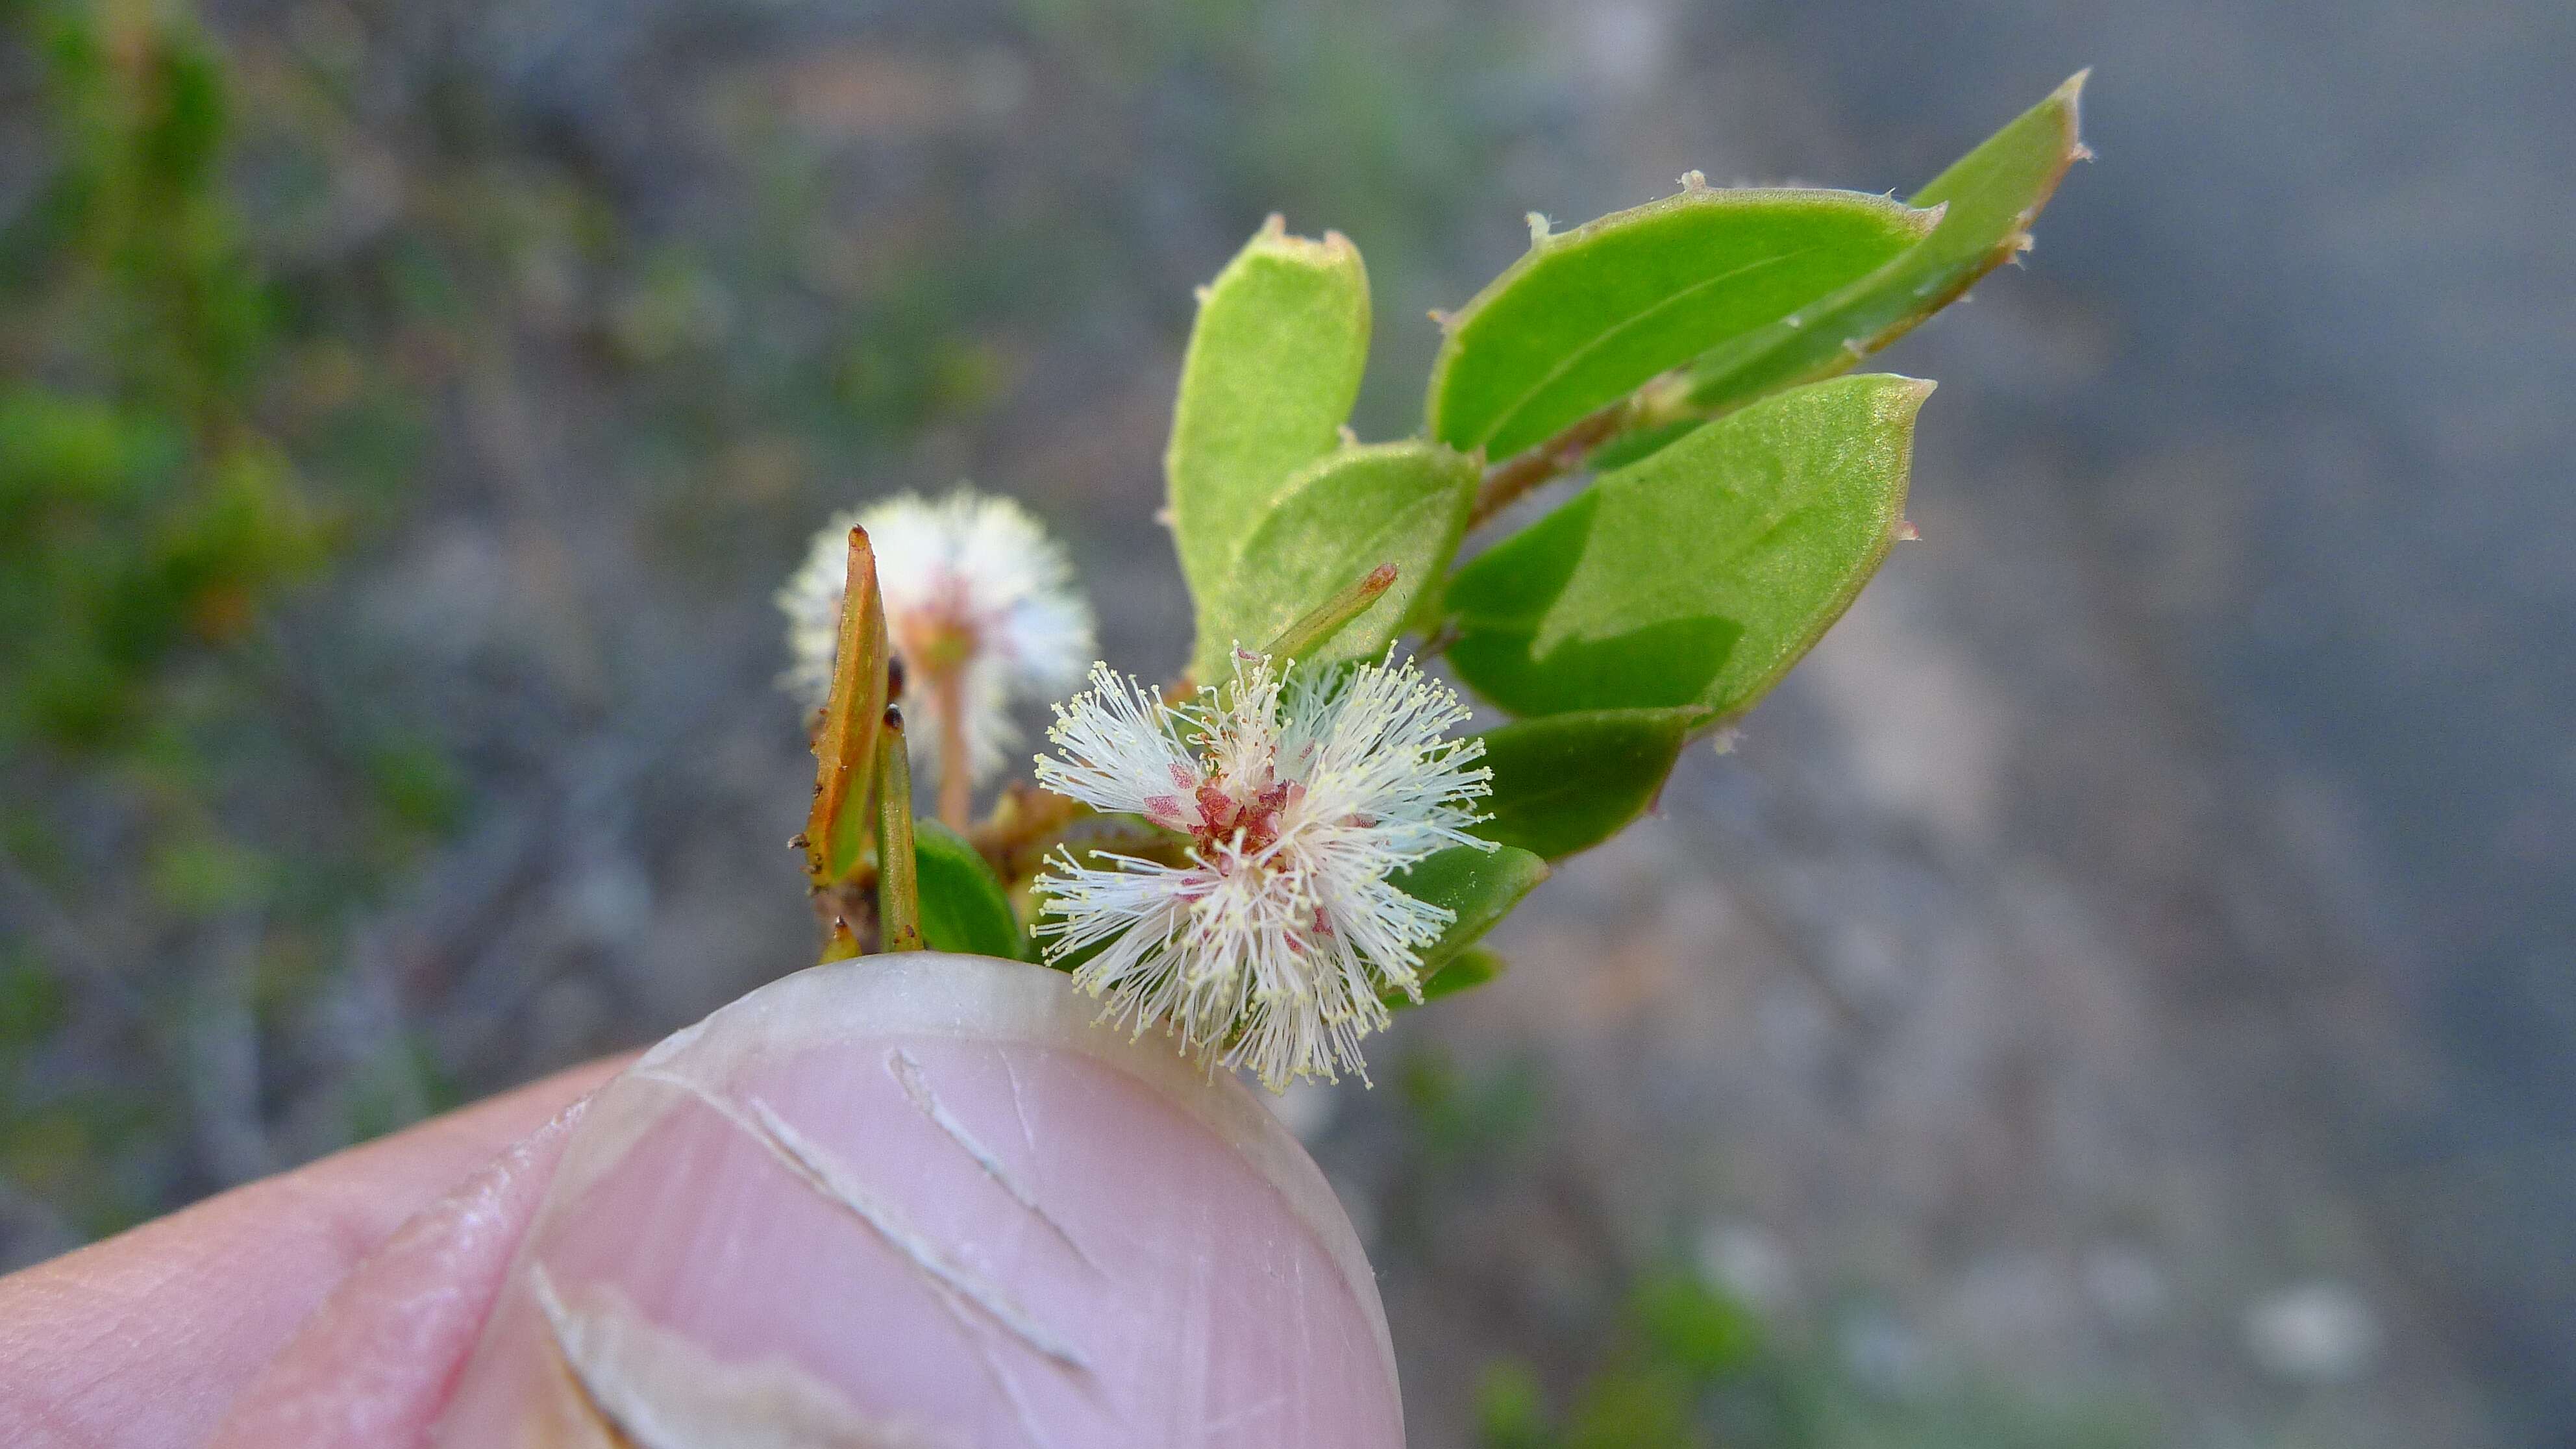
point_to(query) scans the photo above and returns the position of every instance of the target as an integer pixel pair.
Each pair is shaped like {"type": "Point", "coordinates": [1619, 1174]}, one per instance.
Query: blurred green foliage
{"type": "Point", "coordinates": [257, 319]}
{"type": "Point", "coordinates": [1461, 1121]}
{"type": "Point", "coordinates": [145, 510]}
{"type": "Point", "coordinates": [1689, 1367]}
{"type": "Point", "coordinates": [162, 422]}
{"type": "Point", "coordinates": [1677, 1341]}
{"type": "Point", "coordinates": [1663, 1357]}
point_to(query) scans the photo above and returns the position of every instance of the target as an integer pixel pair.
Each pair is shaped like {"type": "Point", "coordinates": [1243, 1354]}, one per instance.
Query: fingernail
{"type": "Point", "coordinates": [923, 1200]}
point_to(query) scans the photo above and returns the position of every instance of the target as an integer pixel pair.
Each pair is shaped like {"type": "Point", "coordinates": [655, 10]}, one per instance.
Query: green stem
{"type": "Point", "coordinates": [1327, 618]}
{"type": "Point", "coordinates": [898, 873]}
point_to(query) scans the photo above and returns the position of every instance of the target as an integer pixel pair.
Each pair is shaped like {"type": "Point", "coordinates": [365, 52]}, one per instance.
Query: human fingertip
{"type": "Point", "coordinates": [924, 1200]}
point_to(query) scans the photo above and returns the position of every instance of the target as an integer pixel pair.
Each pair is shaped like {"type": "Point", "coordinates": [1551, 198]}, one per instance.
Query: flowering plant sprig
{"type": "Point", "coordinates": [1270, 857]}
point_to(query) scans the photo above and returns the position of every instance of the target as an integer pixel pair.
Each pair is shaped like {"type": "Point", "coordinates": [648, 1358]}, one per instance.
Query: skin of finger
{"type": "Point", "coordinates": [141, 1341]}
{"type": "Point", "coordinates": [372, 1366]}
{"type": "Point", "coordinates": [928, 1201]}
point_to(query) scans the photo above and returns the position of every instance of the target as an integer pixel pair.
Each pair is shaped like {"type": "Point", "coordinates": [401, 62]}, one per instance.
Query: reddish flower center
{"type": "Point", "coordinates": [1251, 825]}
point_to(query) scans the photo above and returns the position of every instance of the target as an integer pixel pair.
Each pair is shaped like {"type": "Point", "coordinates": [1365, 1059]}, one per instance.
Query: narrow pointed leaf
{"type": "Point", "coordinates": [1479, 886]}
{"type": "Point", "coordinates": [1989, 200]}
{"type": "Point", "coordinates": [845, 747]}
{"type": "Point", "coordinates": [1696, 576]}
{"type": "Point", "coordinates": [1567, 782]}
{"type": "Point", "coordinates": [1273, 367]}
{"type": "Point", "coordinates": [1394, 503]}
{"type": "Point", "coordinates": [963, 906]}
{"type": "Point", "coordinates": [1301, 639]}
{"type": "Point", "coordinates": [898, 862]}
{"type": "Point", "coordinates": [1586, 316]}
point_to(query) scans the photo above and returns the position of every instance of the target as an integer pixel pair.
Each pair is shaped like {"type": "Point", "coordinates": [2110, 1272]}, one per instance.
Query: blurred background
{"type": "Point", "coordinates": [2118, 992]}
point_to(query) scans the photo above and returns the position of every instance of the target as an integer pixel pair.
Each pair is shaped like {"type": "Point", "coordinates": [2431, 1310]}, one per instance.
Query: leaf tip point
{"type": "Point", "coordinates": [2069, 97]}
{"type": "Point", "coordinates": [1538, 228]}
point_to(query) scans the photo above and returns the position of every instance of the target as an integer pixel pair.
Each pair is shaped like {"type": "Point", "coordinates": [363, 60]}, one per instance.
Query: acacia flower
{"type": "Point", "coordinates": [1271, 946]}
{"type": "Point", "coordinates": [981, 608]}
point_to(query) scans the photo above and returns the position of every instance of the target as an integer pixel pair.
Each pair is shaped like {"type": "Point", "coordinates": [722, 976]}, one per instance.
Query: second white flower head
{"type": "Point", "coordinates": [1272, 946]}
{"type": "Point", "coordinates": [979, 601]}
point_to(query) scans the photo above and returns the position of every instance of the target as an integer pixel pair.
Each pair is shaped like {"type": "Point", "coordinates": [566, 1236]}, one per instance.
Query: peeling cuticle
{"type": "Point", "coordinates": [628, 1383]}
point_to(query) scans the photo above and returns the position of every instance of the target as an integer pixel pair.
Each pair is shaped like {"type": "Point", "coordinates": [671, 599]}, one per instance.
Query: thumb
{"type": "Point", "coordinates": [910, 1200]}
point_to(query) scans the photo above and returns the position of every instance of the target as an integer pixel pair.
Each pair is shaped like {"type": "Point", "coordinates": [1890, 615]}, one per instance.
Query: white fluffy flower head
{"type": "Point", "coordinates": [980, 604]}
{"type": "Point", "coordinates": [1271, 947]}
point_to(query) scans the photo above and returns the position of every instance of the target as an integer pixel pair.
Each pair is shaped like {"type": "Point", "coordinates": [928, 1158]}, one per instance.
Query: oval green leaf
{"type": "Point", "coordinates": [1479, 887]}
{"type": "Point", "coordinates": [1698, 575]}
{"type": "Point", "coordinates": [1586, 316]}
{"type": "Point", "coordinates": [963, 907]}
{"type": "Point", "coordinates": [1469, 968]}
{"type": "Point", "coordinates": [1399, 503]}
{"type": "Point", "coordinates": [1566, 782]}
{"type": "Point", "coordinates": [1273, 367]}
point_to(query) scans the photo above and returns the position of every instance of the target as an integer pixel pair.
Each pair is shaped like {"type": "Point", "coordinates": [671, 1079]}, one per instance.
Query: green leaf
{"type": "Point", "coordinates": [1399, 503]}
{"type": "Point", "coordinates": [1586, 316]}
{"type": "Point", "coordinates": [963, 907]}
{"type": "Point", "coordinates": [1698, 575]}
{"type": "Point", "coordinates": [1479, 887]}
{"type": "Point", "coordinates": [1567, 782]}
{"type": "Point", "coordinates": [1273, 367]}
{"type": "Point", "coordinates": [1469, 968]}
{"type": "Point", "coordinates": [1990, 198]}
